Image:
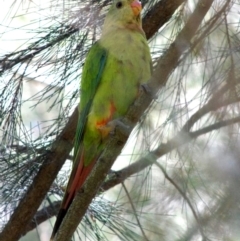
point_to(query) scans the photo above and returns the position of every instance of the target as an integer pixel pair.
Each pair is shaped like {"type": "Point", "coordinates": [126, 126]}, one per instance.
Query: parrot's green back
{"type": "Point", "coordinates": [115, 68]}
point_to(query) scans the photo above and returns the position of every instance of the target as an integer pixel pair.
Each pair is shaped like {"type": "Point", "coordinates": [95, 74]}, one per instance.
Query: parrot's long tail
{"type": "Point", "coordinates": [76, 181]}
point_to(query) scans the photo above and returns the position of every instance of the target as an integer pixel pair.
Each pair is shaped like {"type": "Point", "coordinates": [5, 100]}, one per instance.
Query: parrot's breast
{"type": "Point", "coordinates": [128, 65]}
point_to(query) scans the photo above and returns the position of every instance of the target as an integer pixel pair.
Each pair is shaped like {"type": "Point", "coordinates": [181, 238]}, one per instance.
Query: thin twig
{"type": "Point", "coordinates": [134, 212]}
{"type": "Point", "coordinates": [183, 195]}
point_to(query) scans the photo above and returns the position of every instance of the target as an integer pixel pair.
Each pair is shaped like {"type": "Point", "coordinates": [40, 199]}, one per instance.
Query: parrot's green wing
{"type": "Point", "coordinates": [91, 77]}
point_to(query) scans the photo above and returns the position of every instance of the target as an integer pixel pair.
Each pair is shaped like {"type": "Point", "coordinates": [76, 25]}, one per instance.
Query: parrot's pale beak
{"type": "Point", "coordinates": [136, 7]}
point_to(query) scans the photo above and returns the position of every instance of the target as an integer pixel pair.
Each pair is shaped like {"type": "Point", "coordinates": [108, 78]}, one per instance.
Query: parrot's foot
{"type": "Point", "coordinates": [122, 129]}
{"type": "Point", "coordinates": [118, 123]}
{"type": "Point", "coordinates": [148, 90]}
{"type": "Point", "coordinates": [110, 128]}
{"type": "Point", "coordinates": [105, 130]}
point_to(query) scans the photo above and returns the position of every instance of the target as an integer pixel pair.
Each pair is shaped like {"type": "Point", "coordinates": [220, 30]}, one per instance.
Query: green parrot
{"type": "Point", "coordinates": [116, 65]}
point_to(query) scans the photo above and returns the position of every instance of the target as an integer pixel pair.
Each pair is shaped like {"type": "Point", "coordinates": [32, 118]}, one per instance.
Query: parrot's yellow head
{"type": "Point", "coordinates": [124, 13]}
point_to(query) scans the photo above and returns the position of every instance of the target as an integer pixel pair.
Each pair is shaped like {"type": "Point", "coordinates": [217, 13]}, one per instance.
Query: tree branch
{"type": "Point", "coordinates": [43, 215]}
{"type": "Point", "coordinates": [159, 14]}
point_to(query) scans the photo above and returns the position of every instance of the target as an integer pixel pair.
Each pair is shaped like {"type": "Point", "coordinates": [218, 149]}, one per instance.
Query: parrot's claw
{"type": "Point", "coordinates": [148, 90]}
{"type": "Point", "coordinates": [118, 123]}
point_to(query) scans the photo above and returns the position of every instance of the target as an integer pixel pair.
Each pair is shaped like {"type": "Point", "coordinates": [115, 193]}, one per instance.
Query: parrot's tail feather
{"type": "Point", "coordinates": [85, 173]}
{"type": "Point", "coordinates": [80, 176]}
{"type": "Point", "coordinates": [60, 216]}
{"type": "Point", "coordinates": [74, 186]}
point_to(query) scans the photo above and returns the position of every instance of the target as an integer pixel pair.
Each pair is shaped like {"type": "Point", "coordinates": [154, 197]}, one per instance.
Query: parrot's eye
{"type": "Point", "coordinates": [119, 4]}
